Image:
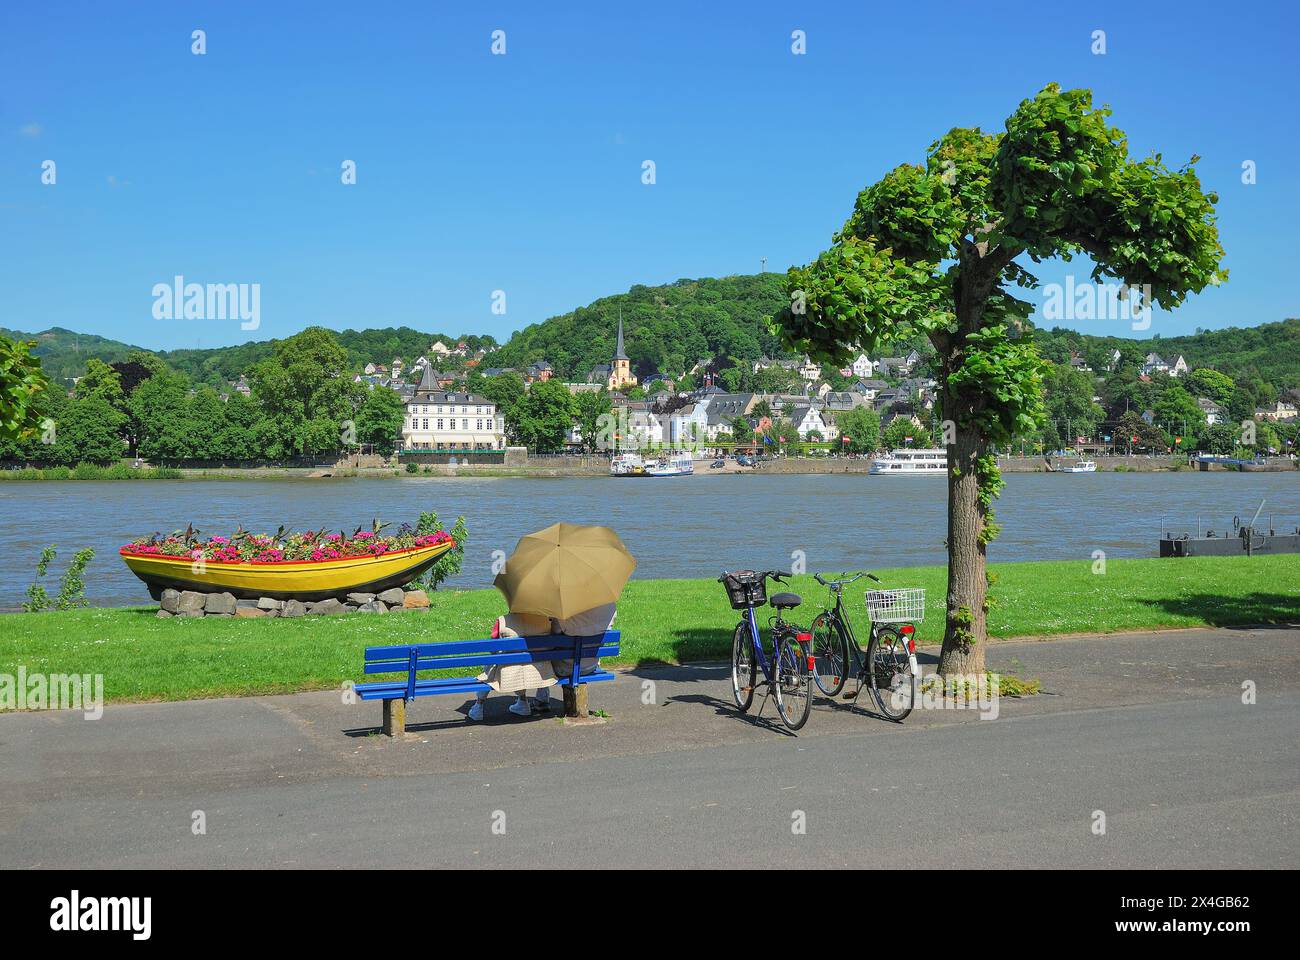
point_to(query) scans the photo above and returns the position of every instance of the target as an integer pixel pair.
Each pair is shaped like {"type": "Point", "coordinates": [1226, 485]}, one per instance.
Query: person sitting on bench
{"type": "Point", "coordinates": [518, 678]}
{"type": "Point", "coordinates": [589, 623]}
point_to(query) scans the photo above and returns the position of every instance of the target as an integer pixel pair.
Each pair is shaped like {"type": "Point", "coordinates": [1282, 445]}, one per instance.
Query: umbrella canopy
{"type": "Point", "coordinates": [564, 570]}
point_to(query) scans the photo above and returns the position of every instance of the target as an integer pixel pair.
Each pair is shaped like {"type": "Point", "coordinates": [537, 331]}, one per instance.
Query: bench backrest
{"type": "Point", "coordinates": [413, 657]}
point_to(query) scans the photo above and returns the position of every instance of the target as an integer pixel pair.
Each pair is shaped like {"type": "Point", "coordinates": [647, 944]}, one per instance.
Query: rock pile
{"type": "Point", "coordinates": [194, 603]}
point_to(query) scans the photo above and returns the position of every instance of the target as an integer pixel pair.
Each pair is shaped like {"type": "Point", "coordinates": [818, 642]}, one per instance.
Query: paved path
{"type": "Point", "coordinates": [1148, 728]}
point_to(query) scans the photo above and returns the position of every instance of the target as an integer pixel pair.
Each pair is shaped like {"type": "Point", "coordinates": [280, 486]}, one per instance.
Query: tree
{"type": "Point", "coordinates": [589, 407]}
{"type": "Point", "coordinates": [506, 390]}
{"type": "Point", "coordinates": [379, 421]}
{"type": "Point", "coordinates": [1211, 384]}
{"type": "Point", "coordinates": [1069, 402]}
{"type": "Point", "coordinates": [899, 431]}
{"type": "Point", "coordinates": [91, 430]}
{"type": "Point", "coordinates": [305, 393]}
{"type": "Point", "coordinates": [1177, 412]}
{"type": "Point", "coordinates": [21, 382]}
{"type": "Point", "coordinates": [545, 416]}
{"type": "Point", "coordinates": [932, 248]}
{"type": "Point", "coordinates": [861, 426]}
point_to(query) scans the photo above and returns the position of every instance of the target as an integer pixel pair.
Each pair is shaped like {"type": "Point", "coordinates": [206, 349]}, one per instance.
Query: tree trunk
{"type": "Point", "coordinates": [964, 633]}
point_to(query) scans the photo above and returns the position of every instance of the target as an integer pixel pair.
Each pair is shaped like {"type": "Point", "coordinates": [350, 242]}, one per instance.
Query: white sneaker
{"type": "Point", "coordinates": [520, 708]}
{"type": "Point", "coordinates": [476, 711]}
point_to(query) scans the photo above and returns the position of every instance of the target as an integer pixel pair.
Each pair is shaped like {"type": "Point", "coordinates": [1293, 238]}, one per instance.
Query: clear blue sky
{"type": "Point", "coordinates": [523, 172]}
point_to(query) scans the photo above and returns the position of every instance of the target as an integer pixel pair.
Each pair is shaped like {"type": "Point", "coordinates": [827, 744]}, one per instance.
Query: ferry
{"type": "Point", "coordinates": [664, 465]}
{"type": "Point", "coordinates": [911, 463]}
{"type": "Point", "coordinates": [1083, 466]}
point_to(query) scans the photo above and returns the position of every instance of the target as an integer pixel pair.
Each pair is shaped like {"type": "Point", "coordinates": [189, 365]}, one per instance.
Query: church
{"type": "Point", "coordinates": [617, 374]}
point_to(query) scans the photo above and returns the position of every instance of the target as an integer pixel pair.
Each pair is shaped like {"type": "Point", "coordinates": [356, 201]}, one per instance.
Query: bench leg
{"type": "Point", "coordinates": [575, 701]}
{"type": "Point", "coordinates": [395, 717]}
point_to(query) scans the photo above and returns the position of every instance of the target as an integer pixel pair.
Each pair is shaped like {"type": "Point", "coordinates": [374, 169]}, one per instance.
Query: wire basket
{"type": "Point", "coordinates": [896, 606]}
{"type": "Point", "coordinates": [745, 589]}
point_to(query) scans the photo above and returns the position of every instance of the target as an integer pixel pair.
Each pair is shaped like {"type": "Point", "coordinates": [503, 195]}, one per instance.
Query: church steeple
{"type": "Point", "coordinates": [619, 353]}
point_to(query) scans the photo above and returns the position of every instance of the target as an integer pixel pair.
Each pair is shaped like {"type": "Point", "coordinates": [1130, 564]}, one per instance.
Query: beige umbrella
{"type": "Point", "coordinates": [564, 570]}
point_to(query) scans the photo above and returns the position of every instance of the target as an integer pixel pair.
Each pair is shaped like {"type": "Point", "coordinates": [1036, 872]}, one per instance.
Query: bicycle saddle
{"type": "Point", "coordinates": [785, 601]}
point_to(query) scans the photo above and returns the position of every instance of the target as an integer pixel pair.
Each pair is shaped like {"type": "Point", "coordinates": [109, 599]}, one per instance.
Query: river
{"type": "Point", "coordinates": [679, 527]}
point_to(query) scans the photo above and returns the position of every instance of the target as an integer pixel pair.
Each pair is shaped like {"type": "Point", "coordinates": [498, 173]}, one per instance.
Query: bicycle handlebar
{"type": "Point", "coordinates": [838, 584]}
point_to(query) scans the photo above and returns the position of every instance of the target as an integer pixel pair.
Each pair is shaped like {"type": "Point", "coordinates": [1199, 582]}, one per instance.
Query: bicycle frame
{"type": "Point", "coordinates": [756, 640]}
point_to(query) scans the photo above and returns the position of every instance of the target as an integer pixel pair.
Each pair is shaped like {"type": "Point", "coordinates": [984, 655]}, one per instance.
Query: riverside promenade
{"type": "Point", "coordinates": [1148, 728]}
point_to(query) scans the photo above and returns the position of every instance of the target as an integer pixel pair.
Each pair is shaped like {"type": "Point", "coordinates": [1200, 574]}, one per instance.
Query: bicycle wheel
{"type": "Point", "coordinates": [830, 649]}
{"type": "Point", "coordinates": [891, 673]}
{"type": "Point", "coordinates": [744, 669]}
{"type": "Point", "coordinates": [793, 684]}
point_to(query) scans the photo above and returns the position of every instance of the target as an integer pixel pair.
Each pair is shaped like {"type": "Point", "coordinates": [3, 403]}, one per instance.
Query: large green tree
{"type": "Point", "coordinates": [932, 248]}
{"type": "Point", "coordinates": [305, 391]}
{"type": "Point", "coordinates": [861, 427]}
{"type": "Point", "coordinates": [545, 416]}
{"type": "Point", "coordinates": [21, 382]}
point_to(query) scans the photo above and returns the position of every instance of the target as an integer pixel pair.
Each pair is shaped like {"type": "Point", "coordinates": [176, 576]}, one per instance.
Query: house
{"type": "Point", "coordinates": [1113, 360]}
{"type": "Point", "coordinates": [840, 401]}
{"type": "Point", "coordinates": [721, 409]}
{"type": "Point", "coordinates": [809, 370]}
{"type": "Point", "coordinates": [808, 419]}
{"type": "Point", "coordinates": [1154, 363]}
{"type": "Point", "coordinates": [497, 371]}
{"type": "Point", "coordinates": [863, 367]}
{"type": "Point", "coordinates": [539, 371]}
{"type": "Point", "coordinates": [241, 386]}
{"type": "Point", "coordinates": [1213, 412]}
{"type": "Point", "coordinates": [1078, 363]}
{"type": "Point", "coordinates": [438, 348]}
{"type": "Point", "coordinates": [823, 388]}
{"type": "Point", "coordinates": [438, 420]}
{"type": "Point", "coordinates": [1278, 412]}
{"type": "Point", "coordinates": [868, 388]}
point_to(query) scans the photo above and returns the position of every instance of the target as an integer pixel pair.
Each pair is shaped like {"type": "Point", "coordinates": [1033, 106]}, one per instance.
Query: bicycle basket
{"type": "Point", "coordinates": [896, 606]}
{"type": "Point", "coordinates": [745, 589]}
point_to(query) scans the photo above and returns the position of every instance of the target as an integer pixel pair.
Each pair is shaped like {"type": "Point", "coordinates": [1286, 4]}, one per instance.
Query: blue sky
{"type": "Point", "coordinates": [522, 172]}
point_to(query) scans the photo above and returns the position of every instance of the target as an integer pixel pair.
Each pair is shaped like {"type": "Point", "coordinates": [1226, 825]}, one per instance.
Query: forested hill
{"type": "Point", "coordinates": [64, 353]}
{"type": "Point", "coordinates": [670, 328]}
{"type": "Point", "coordinates": [667, 328]}
{"type": "Point", "coordinates": [1268, 353]}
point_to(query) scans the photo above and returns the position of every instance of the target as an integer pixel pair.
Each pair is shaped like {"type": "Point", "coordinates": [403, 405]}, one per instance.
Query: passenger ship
{"type": "Point", "coordinates": [664, 465]}
{"type": "Point", "coordinates": [910, 463]}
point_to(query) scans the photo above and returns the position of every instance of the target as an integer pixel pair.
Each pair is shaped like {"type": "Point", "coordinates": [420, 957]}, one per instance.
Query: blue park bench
{"type": "Point", "coordinates": [482, 654]}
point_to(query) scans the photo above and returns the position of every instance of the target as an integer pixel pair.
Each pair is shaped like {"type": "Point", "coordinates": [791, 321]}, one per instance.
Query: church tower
{"type": "Point", "coordinates": [620, 368]}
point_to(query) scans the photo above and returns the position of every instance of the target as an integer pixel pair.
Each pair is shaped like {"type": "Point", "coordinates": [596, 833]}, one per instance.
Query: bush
{"type": "Point", "coordinates": [411, 467]}
{"type": "Point", "coordinates": [450, 563]}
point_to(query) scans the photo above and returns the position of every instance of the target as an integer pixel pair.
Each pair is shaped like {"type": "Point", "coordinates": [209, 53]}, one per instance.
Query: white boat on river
{"type": "Point", "coordinates": [911, 463]}
{"type": "Point", "coordinates": [663, 465]}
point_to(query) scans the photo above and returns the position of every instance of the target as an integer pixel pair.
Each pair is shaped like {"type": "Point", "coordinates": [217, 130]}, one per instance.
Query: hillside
{"type": "Point", "coordinates": [64, 353]}
{"type": "Point", "coordinates": [667, 328]}
{"type": "Point", "coordinates": [670, 328]}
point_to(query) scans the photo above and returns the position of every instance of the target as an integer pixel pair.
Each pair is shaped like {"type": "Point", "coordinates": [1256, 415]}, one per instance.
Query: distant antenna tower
{"type": "Point", "coordinates": [762, 264]}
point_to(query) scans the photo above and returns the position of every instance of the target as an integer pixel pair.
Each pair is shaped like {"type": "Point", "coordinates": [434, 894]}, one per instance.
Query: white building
{"type": "Point", "coordinates": [808, 419]}
{"type": "Point", "coordinates": [864, 367]}
{"type": "Point", "coordinates": [438, 420]}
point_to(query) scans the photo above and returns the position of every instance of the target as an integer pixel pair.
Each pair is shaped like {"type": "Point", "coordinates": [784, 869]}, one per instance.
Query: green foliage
{"type": "Point", "coordinates": [379, 421]}
{"type": "Point", "coordinates": [304, 394]}
{"type": "Point", "coordinates": [451, 562]}
{"type": "Point", "coordinates": [668, 329]}
{"type": "Point", "coordinates": [899, 429]}
{"type": "Point", "coordinates": [862, 426]}
{"type": "Point", "coordinates": [589, 407]}
{"type": "Point", "coordinates": [21, 381]}
{"type": "Point", "coordinates": [72, 589]}
{"type": "Point", "coordinates": [544, 416]}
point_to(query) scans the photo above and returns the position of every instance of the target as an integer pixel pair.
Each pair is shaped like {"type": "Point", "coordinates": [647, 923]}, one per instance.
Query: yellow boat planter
{"type": "Point", "coordinates": [286, 579]}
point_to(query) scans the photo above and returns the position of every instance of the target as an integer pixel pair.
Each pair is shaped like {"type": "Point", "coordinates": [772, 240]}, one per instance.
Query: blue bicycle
{"type": "Point", "coordinates": [789, 671]}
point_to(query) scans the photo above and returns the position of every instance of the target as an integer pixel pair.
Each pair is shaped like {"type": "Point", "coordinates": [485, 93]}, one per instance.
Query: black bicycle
{"type": "Point", "coordinates": [888, 667]}
{"type": "Point", "coordinates": [787, 672]}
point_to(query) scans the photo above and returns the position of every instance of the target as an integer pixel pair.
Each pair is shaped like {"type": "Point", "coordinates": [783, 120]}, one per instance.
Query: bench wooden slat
{"type": "Point", "coordinates": [397, 688]}
{"type": "Point", "coordinates": [447, 663]}
{"type": "Point", "coordinates": [554, 641]}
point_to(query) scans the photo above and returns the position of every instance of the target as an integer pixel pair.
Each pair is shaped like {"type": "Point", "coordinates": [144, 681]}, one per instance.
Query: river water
{"type": "Point", "coordinates": [678, 527]}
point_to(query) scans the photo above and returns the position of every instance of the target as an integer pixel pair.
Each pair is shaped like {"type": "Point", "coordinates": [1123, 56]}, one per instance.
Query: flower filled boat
{"type": "Point", "coordinates": [294, 566]}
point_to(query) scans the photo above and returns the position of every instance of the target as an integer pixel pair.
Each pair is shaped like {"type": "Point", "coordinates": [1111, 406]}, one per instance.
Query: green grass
{"type": "Point", "coordinates": [92, 471]}
{"type": "Point", "coordinates": [146, 658]}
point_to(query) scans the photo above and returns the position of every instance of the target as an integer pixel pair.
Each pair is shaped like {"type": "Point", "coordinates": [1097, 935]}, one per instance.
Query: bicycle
{"type": "Point", "coordinates": [787, 676]}
{"type": "Point", "coordinates": [888, 666]}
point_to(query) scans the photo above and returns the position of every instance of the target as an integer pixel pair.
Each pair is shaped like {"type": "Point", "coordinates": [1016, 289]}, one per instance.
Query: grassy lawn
{"type": "Point", "coordinates": [145, 658]}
